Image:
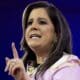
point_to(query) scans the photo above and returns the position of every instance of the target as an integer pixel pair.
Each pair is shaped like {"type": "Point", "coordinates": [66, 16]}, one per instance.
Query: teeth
{"type": "Point", "coordinates": [35, 37]}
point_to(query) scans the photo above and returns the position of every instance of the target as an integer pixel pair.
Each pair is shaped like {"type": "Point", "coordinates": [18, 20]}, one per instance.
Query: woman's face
{"type": "Point", "coordinates": [40, 31]}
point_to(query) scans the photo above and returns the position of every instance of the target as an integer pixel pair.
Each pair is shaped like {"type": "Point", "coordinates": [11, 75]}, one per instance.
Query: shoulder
{"type": "Point", "coordinates": [68, 70]}
{"type": "Point", "coordinates": [68, 73]}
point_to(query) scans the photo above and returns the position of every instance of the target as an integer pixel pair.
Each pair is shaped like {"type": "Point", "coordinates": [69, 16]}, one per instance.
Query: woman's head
{"type": "Point", "coordinates": [53, 14]}
{"type": "Point", "coordinates": [61, 37]}
{"type": "Point", "coordinates": [40, 33]}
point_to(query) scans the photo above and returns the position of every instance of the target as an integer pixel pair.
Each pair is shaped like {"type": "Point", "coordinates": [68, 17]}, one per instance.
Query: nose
{"type": "Point", "coordinates": [35, 26]}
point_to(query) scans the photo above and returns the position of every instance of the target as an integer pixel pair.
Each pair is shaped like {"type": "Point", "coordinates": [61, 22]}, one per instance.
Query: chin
{"type": "Point", "coordinates": [34, 48]}
{"type": "Point", "coordinates": [34, 44]}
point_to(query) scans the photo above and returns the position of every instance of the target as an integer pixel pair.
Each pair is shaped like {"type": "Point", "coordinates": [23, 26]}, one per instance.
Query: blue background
{"type": "Point", "coordinates": [11, 26]}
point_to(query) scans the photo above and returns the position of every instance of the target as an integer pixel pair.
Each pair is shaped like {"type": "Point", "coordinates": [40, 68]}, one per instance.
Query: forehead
{"type": "Point", "coordinates": [38, 12]}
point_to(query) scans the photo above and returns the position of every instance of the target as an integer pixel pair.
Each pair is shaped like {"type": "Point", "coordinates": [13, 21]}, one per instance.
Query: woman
{"type": "Point", "coordinates": [47, 45]}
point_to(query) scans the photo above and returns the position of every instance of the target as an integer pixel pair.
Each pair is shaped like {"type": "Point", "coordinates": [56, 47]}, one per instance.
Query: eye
{"type": "Point", "coordinates": [29, 23]}
{"type": "Point", "coordinates": [42, 22]}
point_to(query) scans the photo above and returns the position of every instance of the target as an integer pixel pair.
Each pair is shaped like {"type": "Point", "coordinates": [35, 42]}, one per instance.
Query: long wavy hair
{"type": "Point", "coordinates": [63, 32]}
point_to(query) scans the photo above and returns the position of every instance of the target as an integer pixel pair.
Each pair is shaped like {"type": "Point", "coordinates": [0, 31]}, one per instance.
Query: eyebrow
{"type": "Point", "coordinates": [40, 18]}
{"type": "Point", "coordinates": [30, 20]}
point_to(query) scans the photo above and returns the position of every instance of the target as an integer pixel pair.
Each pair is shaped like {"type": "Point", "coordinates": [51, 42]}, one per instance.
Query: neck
{"type": "Point", "coordinates": [41, 54]}
{"type": "Point", "coordinates": [41, 59]}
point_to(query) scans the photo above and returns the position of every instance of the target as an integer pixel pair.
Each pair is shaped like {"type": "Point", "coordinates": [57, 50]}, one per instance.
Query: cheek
{"type": "Point", "coordinates": [48, 32]}
{"type": "Point", "coordinates": [26, 35]}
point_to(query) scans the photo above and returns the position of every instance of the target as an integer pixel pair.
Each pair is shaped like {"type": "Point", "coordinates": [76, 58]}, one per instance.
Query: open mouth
{"type": "Point", "coordinates": [35, 36]}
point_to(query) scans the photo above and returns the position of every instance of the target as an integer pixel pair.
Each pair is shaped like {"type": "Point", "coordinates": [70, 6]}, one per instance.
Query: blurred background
{"type": "Point", "coordinates": [11, 26]}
